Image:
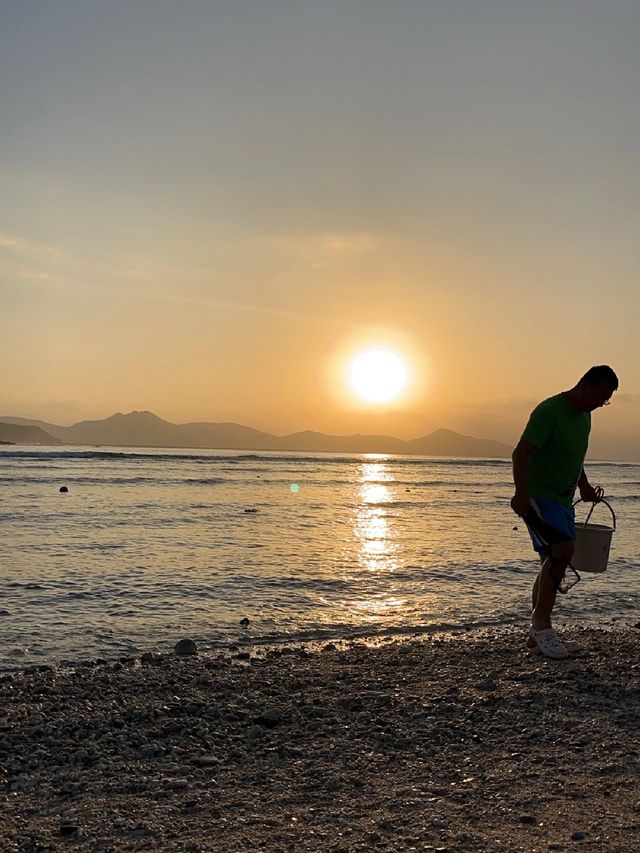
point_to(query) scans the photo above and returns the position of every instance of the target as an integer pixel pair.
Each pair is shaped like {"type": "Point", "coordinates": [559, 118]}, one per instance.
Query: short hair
{"type": "Point", "coordinates": [600, 373]}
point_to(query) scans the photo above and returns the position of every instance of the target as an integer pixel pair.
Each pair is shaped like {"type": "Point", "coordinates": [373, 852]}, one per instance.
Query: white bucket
{"type": "Point", "coordinates": [593, 542]}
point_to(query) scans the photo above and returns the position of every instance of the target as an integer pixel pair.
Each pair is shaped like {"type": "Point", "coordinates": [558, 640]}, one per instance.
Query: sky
{"type": "Point", "coordinates": [210, 208]}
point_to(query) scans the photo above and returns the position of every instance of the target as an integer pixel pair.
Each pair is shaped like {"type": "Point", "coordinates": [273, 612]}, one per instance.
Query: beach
{"type": "Point", "coordinates": [449, 742]}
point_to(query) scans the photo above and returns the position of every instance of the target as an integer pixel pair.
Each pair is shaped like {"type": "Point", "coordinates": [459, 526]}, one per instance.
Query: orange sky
{"type": "Point", "coordinates": [208, 210]}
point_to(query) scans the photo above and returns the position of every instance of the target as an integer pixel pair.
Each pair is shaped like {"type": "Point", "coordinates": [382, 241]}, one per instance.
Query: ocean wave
{"type": "Point", "coordinates": [266, 456]}
{"type": "Point", "coordinates": [347, 632]}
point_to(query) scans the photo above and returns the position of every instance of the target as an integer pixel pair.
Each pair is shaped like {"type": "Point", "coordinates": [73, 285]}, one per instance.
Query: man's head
{"type": "Point", "coordinates": [596, 388]}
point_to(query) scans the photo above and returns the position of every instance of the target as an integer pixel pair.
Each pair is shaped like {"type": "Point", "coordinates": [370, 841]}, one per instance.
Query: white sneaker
{"type": "Point", "coordinates": [570, 645]}
{"type": "Point", "coordinates": [549, 643]}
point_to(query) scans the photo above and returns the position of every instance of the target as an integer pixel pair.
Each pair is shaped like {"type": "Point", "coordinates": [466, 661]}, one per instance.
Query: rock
{"type": "Point", "coordinates": [585, 740]}
{"type": "Point", "coordinates": [439, 822]}
{"type": "Point", "coordinates": [4, 613]}
{"type": "Point", "coordinates": [69, 829]}
{"type": "Point", "coordinates": [578, 836]}
{"type": "Point", "coordinates": [244, 622]}
{"type": "Point", "coordinates": [527, 819]}
{"type": "Point", "coordinates": [176, 784]}
{"type": "Point", "coordinates": [185, 647]}
{"type": "Point", "coordinates": [206, 760]}
{"type": "Point", "coordinates": [255, 732]}
{"type": "Point", "coordinates": [63, 489]}
{"type": "Point", "coordinates": [269, 718]}
{"type": "Point", "coordinates": [140, 831]}
{"type": "Point", "coordinates": [351, 703]}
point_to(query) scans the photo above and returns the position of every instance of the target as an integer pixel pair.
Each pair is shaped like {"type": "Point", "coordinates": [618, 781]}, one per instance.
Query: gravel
{"type": "Point", "coordinates": [462, 743]}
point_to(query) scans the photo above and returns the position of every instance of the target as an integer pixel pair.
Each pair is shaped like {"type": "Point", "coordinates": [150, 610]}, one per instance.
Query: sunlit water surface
{"type": "Point", "coordinates": [149, 546]}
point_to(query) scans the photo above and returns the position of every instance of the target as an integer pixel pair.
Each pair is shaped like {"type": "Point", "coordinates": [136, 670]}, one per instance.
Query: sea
{"type": "Point", "coordinates": [149, 546]}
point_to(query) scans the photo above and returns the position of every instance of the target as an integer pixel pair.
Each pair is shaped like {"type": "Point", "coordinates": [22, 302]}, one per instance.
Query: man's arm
{"type": "Point", "coordinates": [587, 492]}
{"type": "Point", "coordinates": [520, 502]}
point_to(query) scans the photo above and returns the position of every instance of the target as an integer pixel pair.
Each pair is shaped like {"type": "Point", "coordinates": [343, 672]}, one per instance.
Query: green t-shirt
{"type": "Point", "coordinates": [560, 435]}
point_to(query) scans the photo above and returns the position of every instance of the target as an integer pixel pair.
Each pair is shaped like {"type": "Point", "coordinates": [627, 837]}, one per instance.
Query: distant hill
{"type": "Point", "coordinates": [321, 443]}
{"type": "Point", "coordinates": [446, 442]}
{"type": "Point", "coordinates": [12, 433]}
{"type": "Point", "coordinates": [144, 429]}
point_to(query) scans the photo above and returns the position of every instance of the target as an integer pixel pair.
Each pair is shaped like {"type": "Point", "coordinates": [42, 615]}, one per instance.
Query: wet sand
{"type": "Point", "coordinates": [447, 744]}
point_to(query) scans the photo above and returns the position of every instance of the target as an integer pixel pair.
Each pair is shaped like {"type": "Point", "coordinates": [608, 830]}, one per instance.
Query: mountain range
{"type": "Point", "coordinates": [144, 429]}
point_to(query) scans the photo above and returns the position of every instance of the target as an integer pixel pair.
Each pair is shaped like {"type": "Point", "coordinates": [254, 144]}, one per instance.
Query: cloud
{"type": "Point", "coordinates": [317, 250]}
{"type": "Point", "coordinates": [355, 244]}
{"type": "Point", "coordinates": [15, 243]}
{"type": "Point", "coordinates": [34, 275]}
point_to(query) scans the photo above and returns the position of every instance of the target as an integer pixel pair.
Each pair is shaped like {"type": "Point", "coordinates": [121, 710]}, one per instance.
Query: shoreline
{"type": "Point", "coordinates": [314, 640]}
{"type": "Point", "coordinates": [454, 742]}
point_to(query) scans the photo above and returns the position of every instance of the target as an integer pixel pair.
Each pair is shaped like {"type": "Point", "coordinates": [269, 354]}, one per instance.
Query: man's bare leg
{"type": "Point", "coordinates": [548, 580]}
{"type": "Point", "coordinates": [547, 592]}
{"type": "Point", "coordinates": [536, 586]}
{"type": "Point", "coordinates": [531, 643]}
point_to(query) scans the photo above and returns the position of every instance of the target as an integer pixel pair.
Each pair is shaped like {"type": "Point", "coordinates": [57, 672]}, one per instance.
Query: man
{"type": "Point", "coordinates": [547, 469]}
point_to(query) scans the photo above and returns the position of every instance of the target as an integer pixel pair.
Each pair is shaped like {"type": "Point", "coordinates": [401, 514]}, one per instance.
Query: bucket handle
{"type": "Point", "coordinates": [593, 506]}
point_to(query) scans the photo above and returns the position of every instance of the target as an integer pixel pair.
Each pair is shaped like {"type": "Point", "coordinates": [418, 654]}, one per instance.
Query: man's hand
{"type": "Point", "coordinates": [520, 504]}
{"type": "Point", "coordinates": [591, 495]}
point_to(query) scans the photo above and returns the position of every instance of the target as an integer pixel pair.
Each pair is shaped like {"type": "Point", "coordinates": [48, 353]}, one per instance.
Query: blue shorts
{"type": "Point", "coordinates": [556, 515]}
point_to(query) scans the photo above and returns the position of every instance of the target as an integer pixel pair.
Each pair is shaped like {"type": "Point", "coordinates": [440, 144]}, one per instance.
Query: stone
{"type": "Point", "coordinates": [176, 784]}
{"type": "Point", "coordinates": [206, 760]}
{"type": "Point", "coordinates": [269, 718]}
{"type": "Point", "coordinates": [185, 647]}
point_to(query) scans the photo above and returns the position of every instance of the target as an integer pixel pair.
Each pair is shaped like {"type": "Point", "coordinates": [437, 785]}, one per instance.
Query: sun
{"type": "Point", "coordinates": [378, 376]}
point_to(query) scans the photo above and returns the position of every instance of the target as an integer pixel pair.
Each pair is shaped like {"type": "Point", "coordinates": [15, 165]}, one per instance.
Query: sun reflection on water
{"type": "Point", "coordinates": [375, 532]}
{"type": "Point", "coordinates": [372, 525]}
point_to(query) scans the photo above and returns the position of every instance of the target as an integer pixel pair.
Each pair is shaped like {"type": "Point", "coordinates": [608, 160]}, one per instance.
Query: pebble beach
{"type": "Point", "coordinates": [441, 743]}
